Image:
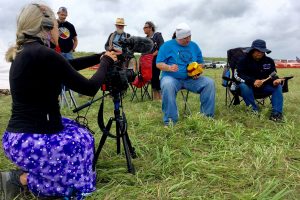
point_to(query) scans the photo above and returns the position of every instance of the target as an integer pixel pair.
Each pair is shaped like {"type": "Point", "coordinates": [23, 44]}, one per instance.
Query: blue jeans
{"type": "Point", "coordinates": [276, 99]}
{"type": "Point", "coordinates": [68, 56]}
{"type": "Point", "coordinates": [170, 86]}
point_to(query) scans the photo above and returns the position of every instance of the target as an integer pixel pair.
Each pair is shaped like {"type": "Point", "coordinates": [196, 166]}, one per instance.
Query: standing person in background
{"type": "Point", "coordinates": [67, 41]}
{"type": "Point", "coordinates": [149, 30]}
{"type": "Point", "coordinates": [67, 34]}
{"type": "Point", "coordinates": [117, 35]}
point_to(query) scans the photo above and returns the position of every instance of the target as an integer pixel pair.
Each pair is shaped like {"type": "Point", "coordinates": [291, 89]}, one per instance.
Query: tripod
{"type": "Point", "coordinates": [121, 132]}
{"type": "Point", "coordinates": [64, 99]}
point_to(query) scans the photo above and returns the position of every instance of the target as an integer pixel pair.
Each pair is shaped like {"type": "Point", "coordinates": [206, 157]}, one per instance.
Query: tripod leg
{"type": "Point", "coordinates": [130, 166]}
{"type": "Point", "coordinates": [97, 153]}
{"type": "Point", "coordinates": [130, 147]}
{"type": "Point", "coordinates": [122, 133]}
{"type": "Point", "coordinates": [118, 137]}
{"type": "Point", "coordinates": [125, 133]}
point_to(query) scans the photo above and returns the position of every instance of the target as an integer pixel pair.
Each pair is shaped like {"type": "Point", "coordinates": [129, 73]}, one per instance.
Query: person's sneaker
{"type": "Point", "coordinates": [276, 117]}
{"type": "Point", "coordinates": [10, 186]}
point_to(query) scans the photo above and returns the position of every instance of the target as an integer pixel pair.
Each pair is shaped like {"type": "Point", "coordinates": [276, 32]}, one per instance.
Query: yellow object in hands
{"type": "Point", "coordinates": [194, 69]}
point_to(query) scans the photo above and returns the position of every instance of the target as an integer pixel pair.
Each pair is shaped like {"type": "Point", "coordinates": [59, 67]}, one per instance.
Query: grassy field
{"type": "Point", "coordinates": [235, 156]}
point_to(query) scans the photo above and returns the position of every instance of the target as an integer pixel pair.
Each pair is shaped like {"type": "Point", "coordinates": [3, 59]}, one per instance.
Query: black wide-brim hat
{"type": "Point", "coordinates": [259, 45]}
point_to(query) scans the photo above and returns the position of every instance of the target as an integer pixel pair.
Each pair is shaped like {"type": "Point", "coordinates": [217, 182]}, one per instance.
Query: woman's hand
{"type": "Point", "coordinates": [112, 54]}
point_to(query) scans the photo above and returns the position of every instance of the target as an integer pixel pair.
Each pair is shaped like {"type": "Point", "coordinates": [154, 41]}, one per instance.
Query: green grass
{"type": "Point", "coordinates": [235, 156]}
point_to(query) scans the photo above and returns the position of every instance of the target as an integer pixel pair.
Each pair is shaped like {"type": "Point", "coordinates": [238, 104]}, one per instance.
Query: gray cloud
{"type": "Point", "coordinates": [215, 11]}
{"type": "Point", "coordinates": [216, 25]}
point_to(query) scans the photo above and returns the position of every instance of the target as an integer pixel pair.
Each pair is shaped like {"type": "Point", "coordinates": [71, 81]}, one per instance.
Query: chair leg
{"type": "Point", "coordinates": [226, 96]}
{"type": "Point", "coordinates": [64, 99]}
{"type": "Point", "coordinates": [152, 93]}
{"type": "Point", "coordinates": [229, 98]}
{"type": "Point", "coordinates": [187, 110]}
{"type": "Point", "coordinates": [262, 100]}
{"type": "Point", "coordinates": [145, 91]}
{"type": "Point", "coordinates": [72, 98]}
{"type": "Point", "coordinates": [134, 93]}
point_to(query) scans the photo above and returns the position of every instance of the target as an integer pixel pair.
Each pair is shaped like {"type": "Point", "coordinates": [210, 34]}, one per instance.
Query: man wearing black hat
{"type": "Point", "coordinates": [258, 74]}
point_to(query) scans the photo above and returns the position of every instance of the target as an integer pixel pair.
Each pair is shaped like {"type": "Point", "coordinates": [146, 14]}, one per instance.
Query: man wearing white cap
{"type": "Point", "coordinates": [173, 58]}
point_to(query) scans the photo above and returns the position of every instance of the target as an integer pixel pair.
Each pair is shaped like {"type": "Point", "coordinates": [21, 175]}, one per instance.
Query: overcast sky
{"type": "Point", "coordinates": [217, 25]}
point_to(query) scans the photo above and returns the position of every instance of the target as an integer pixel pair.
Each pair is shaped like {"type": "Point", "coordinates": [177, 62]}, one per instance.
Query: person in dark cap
{"type": "Point", "coordinates": [258, 74]}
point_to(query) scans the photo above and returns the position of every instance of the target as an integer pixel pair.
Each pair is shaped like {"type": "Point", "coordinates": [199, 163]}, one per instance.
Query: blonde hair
{"type": "Point", "coordinates": [29, 27]}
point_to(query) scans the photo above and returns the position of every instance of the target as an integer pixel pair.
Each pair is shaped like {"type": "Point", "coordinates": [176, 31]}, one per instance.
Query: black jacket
{"type": "Point", "coordinates": [250, 70]}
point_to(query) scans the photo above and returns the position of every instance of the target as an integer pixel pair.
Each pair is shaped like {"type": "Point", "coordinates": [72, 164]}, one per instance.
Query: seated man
{"type": "Point", "coordinates": [173, 58]}
{"type": "Point", "coordinates": [257, 72]}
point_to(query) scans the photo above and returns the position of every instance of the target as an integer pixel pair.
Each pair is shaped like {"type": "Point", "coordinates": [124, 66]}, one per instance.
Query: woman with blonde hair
{"type": "Point", "coordinates": [54, 154]}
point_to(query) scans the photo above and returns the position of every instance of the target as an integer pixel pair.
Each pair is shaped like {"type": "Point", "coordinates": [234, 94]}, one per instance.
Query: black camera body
{"type": "Point", "coordinates": [119, 76]}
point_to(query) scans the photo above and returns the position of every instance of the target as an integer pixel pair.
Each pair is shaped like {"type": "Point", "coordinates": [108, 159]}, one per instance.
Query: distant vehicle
{"type": "Point", "coordinates": [220, 64]}
{"type": "Point", "coordinates": [283, 63]}
{"type": "Point", "coordinates": [208, 64]}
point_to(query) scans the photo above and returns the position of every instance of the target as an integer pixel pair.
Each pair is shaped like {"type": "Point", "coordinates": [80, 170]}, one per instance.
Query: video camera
{"type": "Point", "coordinates": [119, 76]}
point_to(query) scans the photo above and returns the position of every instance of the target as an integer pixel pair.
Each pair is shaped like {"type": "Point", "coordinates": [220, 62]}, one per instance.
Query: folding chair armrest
{"type": "Point", "coordinates": [230, 79]}
{"type": "Point", "coordinates": [227, 78]}
{"type": "Point", "coordinates": [288, 77]}
{"type": "Point", "coordinates": [285, 87]}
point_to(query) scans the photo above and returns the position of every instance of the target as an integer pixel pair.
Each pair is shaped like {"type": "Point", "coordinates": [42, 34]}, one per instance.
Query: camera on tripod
{"type": "Point", "coordinates": [116, 82]}
{"type": "Point", "coordinates": [119, 76]}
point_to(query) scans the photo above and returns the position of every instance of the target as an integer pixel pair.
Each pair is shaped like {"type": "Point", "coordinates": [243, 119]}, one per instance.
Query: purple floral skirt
{"type": "Point", "coordinates": [57, 164]}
